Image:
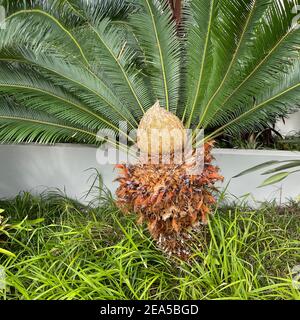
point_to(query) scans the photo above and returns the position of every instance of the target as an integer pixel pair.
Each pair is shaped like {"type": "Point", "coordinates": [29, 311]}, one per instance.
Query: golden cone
{"type": "Point", "coordinates": [160, 132]}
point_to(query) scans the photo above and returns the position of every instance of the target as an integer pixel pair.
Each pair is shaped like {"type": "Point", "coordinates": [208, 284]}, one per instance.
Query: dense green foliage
{"type": "Point", "coordinates": [65, 250]}
{"type": "Point", "coordinates": [71, 67]}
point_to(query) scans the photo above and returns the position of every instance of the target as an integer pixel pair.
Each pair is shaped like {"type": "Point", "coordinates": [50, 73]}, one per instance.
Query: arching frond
{"type": "Point", "coordinates": [156, 34]}
{"type": "Point", "coordinates": [108, 52]}
{"type": "Point", "coordinates": [272, 47]}
{"type": "Point", "coordinates": [199, 53]}
{"type": "Point", "coordinates": [232, 35]}
{"type": "Point", "coordinates": [233, 65]}
{"type": "Point", "coordinates": [64, 71]}
{"type": "Point", "coordinates": [70, 12]}
{"type": "Point", "coordinates": [21, 125]}
{"type": "Point", "coordinates": [276, 100]}
{"type": "Point", "coordinates": [39, 94]}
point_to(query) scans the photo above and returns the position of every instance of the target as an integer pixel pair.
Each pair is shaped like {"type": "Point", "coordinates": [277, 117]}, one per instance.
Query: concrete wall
{"type": "Point", "coordinates": [291, 125]}
{"type": "Point", "coordinates": [36, 168]}
{"type": "Point", "coordinates": [232, 162]}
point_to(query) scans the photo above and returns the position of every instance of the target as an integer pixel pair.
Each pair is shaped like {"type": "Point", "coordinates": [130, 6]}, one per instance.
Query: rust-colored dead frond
{"type": "Point", "coordinates": [169, 199]}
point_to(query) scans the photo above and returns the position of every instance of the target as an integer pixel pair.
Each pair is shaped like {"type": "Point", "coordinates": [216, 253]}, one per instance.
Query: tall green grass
{"type": "Point", "coordinates": [65, 250]}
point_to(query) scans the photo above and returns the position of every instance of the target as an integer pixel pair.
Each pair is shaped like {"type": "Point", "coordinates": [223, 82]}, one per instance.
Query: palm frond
{"type": "Point", "coordinates": [20, 125]}
{"type": "Point", "coordinates": [115, 10]}
{"type": "Point", "coordinates": [156, 34]}
{"type": "Point", "coordinates": [88, 64]}
{"type": "Point", "coordinates": [70, 12]}
{"type": "Point", "coordinates": [107, 42]}
{"type": "Point", "coordinates": [232, 35]}
{"type": "Point", "coordinates": [34, 18]}
{"type": "Point", "coordinates": [267, 55]}
{"type": "Point", "coordinates": [40, 94]}
{"type": "Point", "coordinates": [199, 53]}
{"type": "Point", "coordinates": [63, 70]}
{"type": "Point", "coordinates": [277, 99]}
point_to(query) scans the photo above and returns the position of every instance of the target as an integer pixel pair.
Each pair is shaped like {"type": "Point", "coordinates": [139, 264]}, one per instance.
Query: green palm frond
{"type": "Point", "coordinates": [70, 12]}
{"type": "Point", "coordinates": [232, 65]}
{"type": "Point", "coordinates": [278, 99]}
{"type": "Point", "coordinates": [271, 48]}
{"type": "Point", "coordinates": [107, 50]}
{"type": "Point", "coordinates": [20, 125]}
{"type": "Point", "coordinates": [63, 70]}
{"type": "Point", "coordinates": [36, 93]}
{"type": "Point", "coordinates": [115, 10]}
{"type": "Point", "coordinates": [279, 173]}
{"type": "Point", "coordinates": [156, 34]}
{"type": "Point", "coordinates": [232, 35]}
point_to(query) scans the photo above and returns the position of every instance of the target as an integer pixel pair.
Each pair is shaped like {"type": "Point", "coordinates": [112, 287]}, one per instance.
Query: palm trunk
{"type": "Point", "coordinates": [176, 6]}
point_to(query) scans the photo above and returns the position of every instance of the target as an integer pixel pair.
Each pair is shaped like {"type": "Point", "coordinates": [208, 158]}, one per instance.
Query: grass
{"type": "Point", "coordinates": [64, 250]}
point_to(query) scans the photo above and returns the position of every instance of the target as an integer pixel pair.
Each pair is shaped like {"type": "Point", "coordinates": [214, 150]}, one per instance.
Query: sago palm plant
{"type": "Point", "coordinates": [69, 68]}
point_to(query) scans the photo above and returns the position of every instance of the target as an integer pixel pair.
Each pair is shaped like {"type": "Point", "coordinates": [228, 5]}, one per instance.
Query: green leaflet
{"type": "Point", "coordinates": [232, 66]}
{"type": "Point", "coordinates": [6, 252]}
{"type": "Point", "coordinates": [274, 179]}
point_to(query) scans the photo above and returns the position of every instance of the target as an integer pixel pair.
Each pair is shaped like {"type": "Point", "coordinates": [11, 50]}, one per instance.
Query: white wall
{"type": "Point", "coordinates": [232, 162]}
{"type": "Point", "coordinates": [291, 125]}
{"type": "Point", "coordinates": [35, 168]}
